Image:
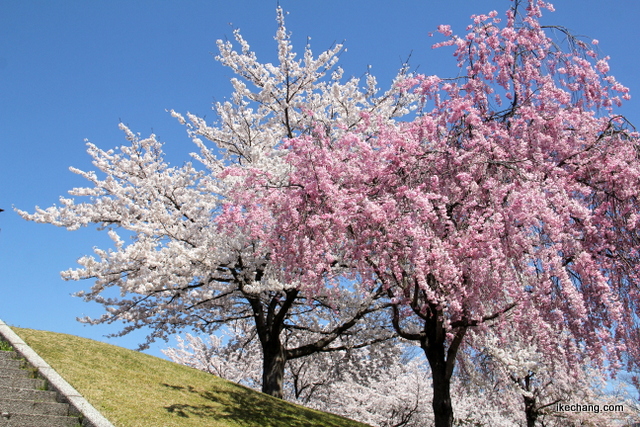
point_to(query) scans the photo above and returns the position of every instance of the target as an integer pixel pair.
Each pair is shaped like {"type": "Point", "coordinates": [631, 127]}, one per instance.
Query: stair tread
{"type": "Point", "coordinates": [10, 363]}
{"type": "Point", "coordinates": [14, 373]}
{"type": "Point", "coordinates": [33, 407]}
{"type": "Point", "coordinates": [8, 354]}
{"type": "Point", "coordinates": [31, 383]}
{"type": "Point", "coordinates": [8, 419]}
{"type": "Point", "coordinates": [28, 394]}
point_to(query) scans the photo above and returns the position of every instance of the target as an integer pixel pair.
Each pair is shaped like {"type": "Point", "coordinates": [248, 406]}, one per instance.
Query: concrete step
{"type": "Point", "coordinates": [24, 402]}
{"type": "Point", "coordinates": [10, 363]}
{"type": "Point", "coordinates": [20, 406]}
{"type": "Point", "coordinates": [15, 373]}
{"type": "Point", "coordinates": [26, 420]}
{"type": "Point", "coordinates": [28, 394]}
{"type": "Point", "coordinates": [30, 383]}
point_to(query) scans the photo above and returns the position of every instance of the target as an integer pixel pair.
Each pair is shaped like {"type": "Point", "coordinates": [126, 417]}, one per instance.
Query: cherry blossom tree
{"type": "Point", "coordinates": [173, 264]}
{"type": "Point", "coordinates": [514, 373]}
{"type": "Point", "coordinates": [233, 354]}
{"type": "Point", "coordinates": [511, 200]}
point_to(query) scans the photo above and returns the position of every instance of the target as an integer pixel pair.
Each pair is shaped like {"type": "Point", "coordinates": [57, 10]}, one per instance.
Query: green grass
{"type": "Point", "coordinates": [134, 389]}
{"type": "Point", "coordinates": [5, 346]}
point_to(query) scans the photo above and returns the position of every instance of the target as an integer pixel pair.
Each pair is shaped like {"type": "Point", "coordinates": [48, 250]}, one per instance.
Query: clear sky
{"type": "Point", "coordinates": [72, 70]}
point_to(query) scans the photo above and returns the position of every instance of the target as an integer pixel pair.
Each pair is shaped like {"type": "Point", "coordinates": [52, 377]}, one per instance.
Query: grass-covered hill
{"type": "Point", "coordinates": [134, 389]}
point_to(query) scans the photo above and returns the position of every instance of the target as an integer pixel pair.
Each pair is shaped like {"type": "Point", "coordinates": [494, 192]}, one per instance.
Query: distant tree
{"type": "Point", "coordinates": [233, 354]}
{"type": "Point", "coordinates": [174, 264]}
{"type": "Point", "coordinates": [512, 371]}
{"type": "Point", "coordinates": [511, 200]}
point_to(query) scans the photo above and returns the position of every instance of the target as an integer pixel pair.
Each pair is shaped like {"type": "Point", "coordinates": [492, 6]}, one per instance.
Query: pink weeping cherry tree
{"type": "Point", "coordinates": [510, 201]}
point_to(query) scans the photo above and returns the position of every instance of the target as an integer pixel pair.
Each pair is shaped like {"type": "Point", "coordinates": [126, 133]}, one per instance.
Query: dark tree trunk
{"type": "Point", "coordinates": [441, 360]}
{"type": "Point", "coordinates": [269, 314]}
{"type": "Point", "coordinates": [274, 360]}
{"type": "Point", "coordinates": [440, 352]}
{"type": "Point", "coordinates": [441, 355]}
{"type": "Point", "coordinates": [442, 408]}
{"type": "Point", "coordinates": [530, 411]}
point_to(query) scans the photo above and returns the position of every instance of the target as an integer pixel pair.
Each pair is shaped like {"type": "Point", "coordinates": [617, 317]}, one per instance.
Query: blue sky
{"type": "Point", "coordinates": [72, 70]}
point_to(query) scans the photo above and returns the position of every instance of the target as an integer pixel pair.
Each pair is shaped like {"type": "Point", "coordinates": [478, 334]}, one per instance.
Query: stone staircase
{"type": "Point", "coordinates": [25, 400]}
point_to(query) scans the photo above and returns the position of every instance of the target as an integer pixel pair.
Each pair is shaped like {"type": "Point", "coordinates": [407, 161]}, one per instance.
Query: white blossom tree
{"type": "Point", "coordinates": [233, 354]}
{"type": "Point", "coordinates": [512, 371]}
{"type": "Point", "coordinates": [172, 264]}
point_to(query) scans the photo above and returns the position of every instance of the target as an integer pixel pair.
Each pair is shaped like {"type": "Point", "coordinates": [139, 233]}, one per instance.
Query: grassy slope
{"type": "Point", "coordinates": [134, 389]}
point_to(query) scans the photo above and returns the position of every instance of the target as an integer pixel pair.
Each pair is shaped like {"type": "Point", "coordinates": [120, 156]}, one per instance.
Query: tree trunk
{"type": "Point", "coordinates": [442, 359]}
{"type": "Point", "coordinates": [269, 314]}
{"type": "Point", "coordinates": [442, 408]}
{"type": "Point", "coordinates": [433, 341]}
{"type": "Point", "coordinates": [273, 364]}
{"type": "Point", "coordinates": [530, 411]}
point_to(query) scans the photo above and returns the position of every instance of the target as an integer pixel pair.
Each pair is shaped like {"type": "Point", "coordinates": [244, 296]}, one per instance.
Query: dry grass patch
{"type": "Point", "coordinates": [134, 389]}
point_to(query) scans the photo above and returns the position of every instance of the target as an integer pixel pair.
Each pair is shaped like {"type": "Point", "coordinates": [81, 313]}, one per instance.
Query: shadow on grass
{"type": "Point", "coordinates": [249, 408]}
